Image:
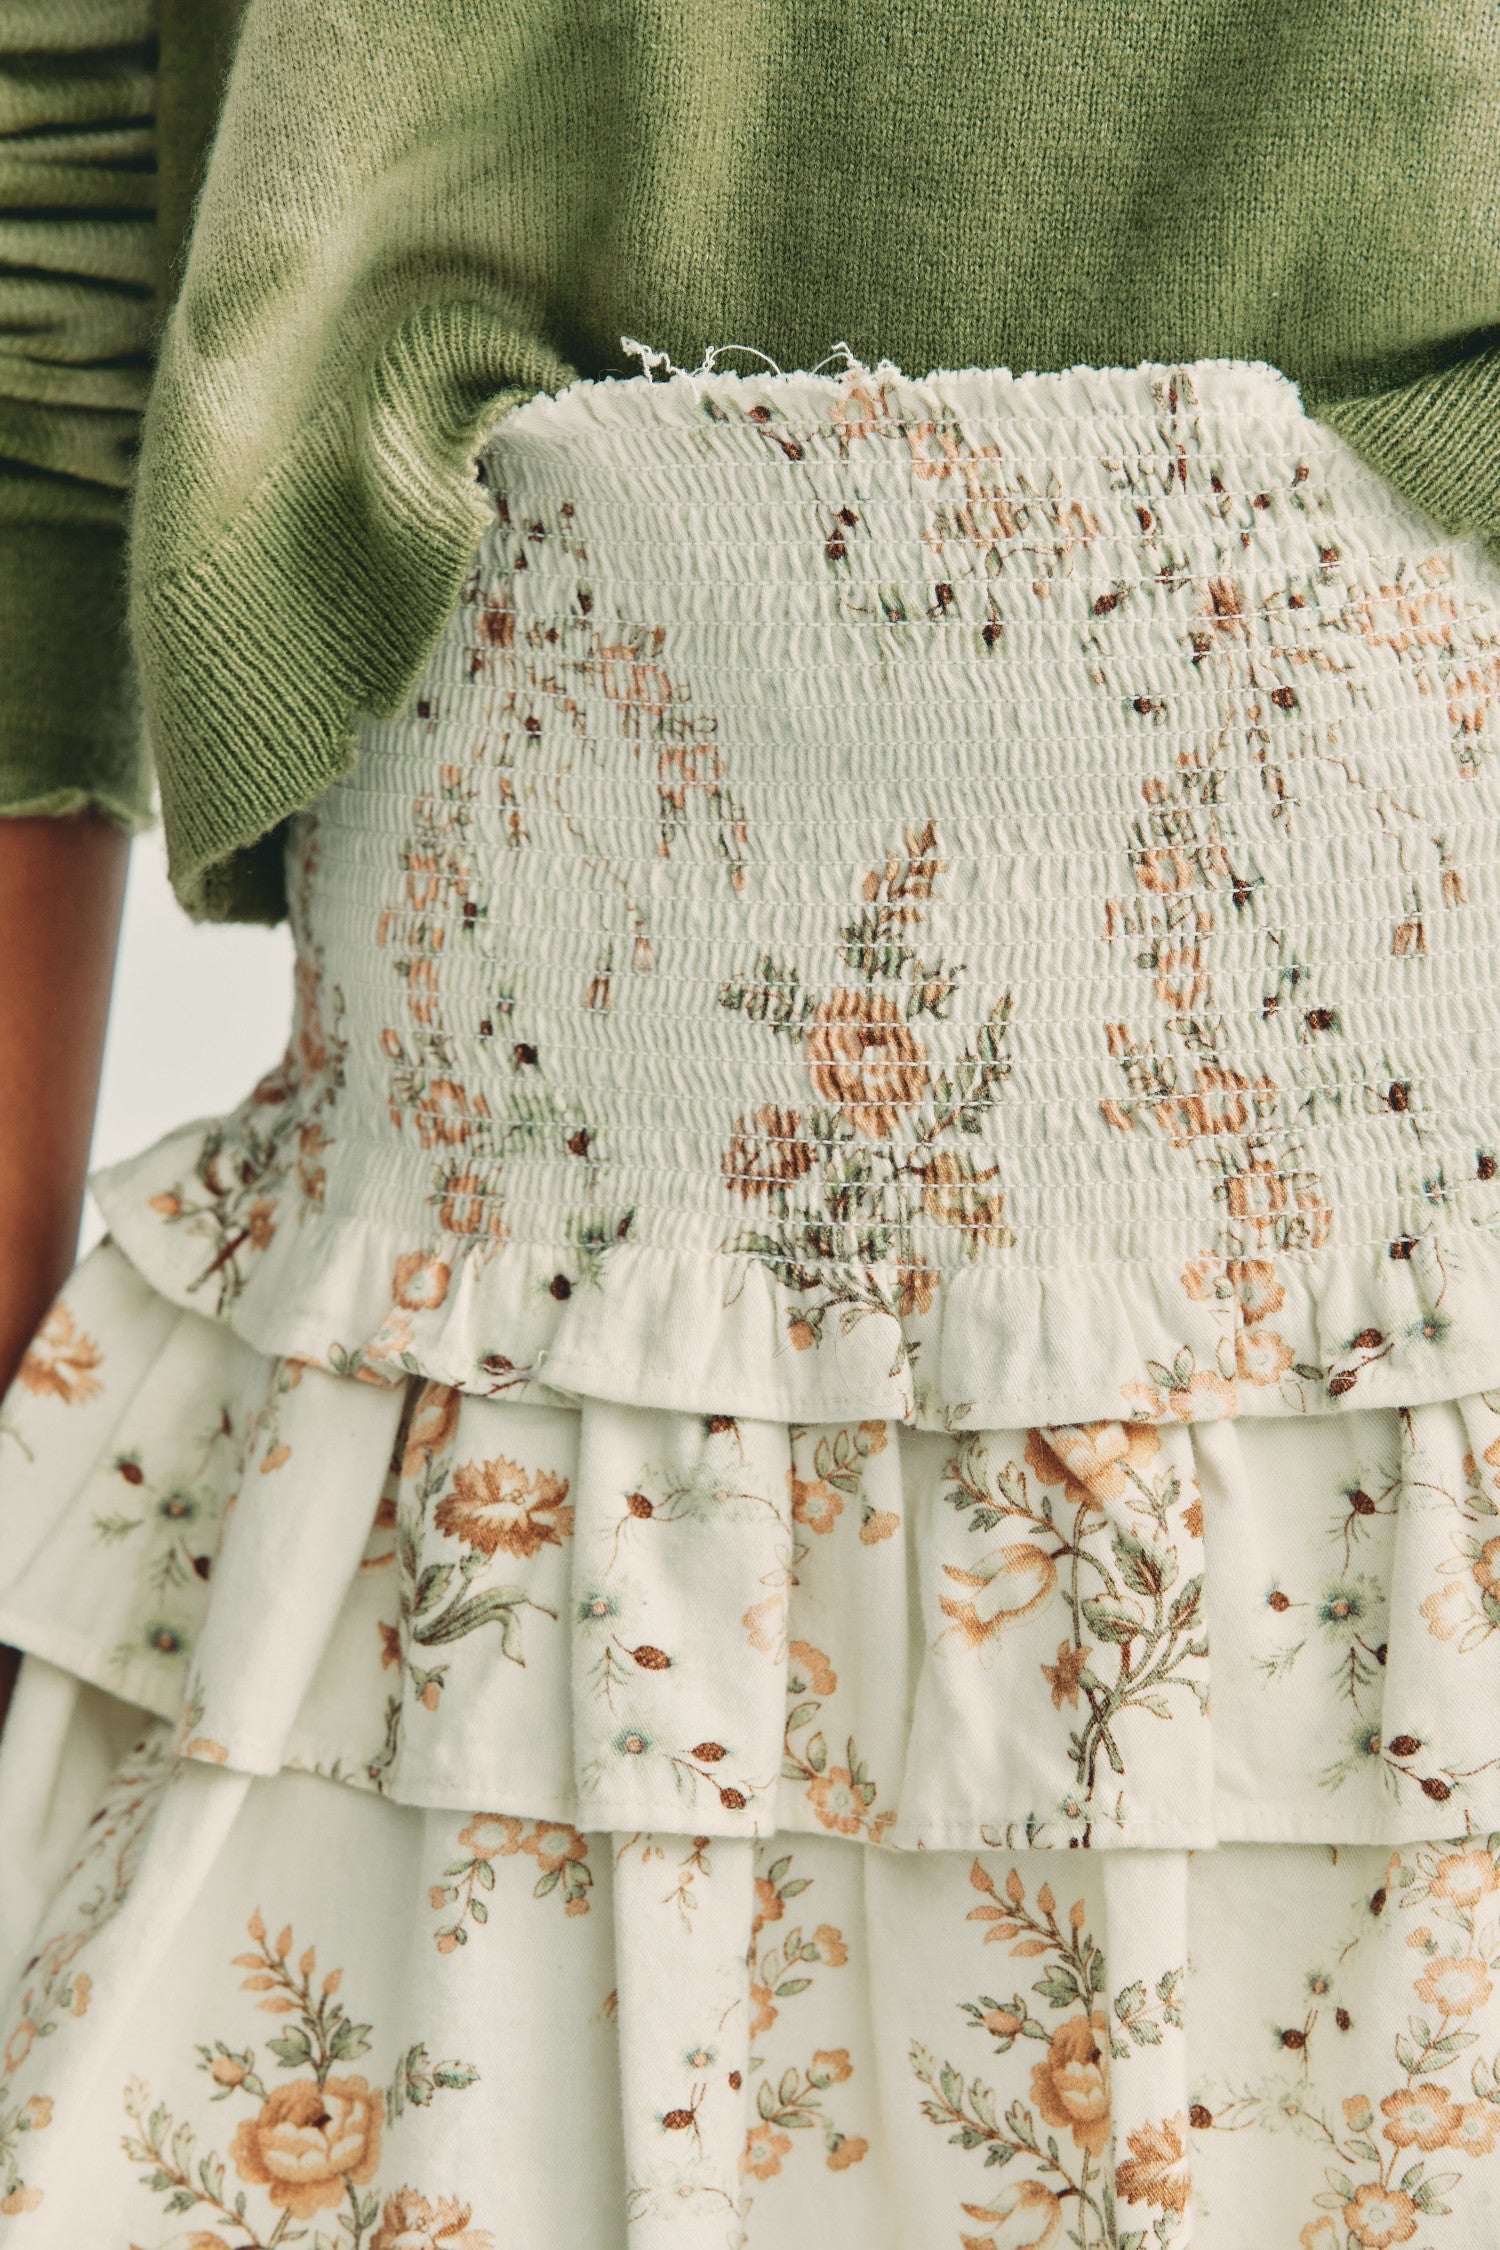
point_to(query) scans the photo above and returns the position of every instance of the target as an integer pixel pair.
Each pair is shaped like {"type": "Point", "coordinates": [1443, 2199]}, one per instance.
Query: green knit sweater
{"type": "Point", "coordinates": [413, 212]}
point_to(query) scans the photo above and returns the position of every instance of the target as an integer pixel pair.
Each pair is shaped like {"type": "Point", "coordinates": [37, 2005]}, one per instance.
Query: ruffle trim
{"type": "Point", "coordinates": [996, 1345]}
{"type": "Point", "coordinates": [624, 1619]}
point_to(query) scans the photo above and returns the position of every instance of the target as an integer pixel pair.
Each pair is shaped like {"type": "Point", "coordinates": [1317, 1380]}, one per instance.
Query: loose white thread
{"type": "Point", "coordinates": [651, 360]}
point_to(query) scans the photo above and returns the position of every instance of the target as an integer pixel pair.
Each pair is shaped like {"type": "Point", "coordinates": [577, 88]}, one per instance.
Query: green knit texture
{"type": "Point", "coordinates": [412, 216]}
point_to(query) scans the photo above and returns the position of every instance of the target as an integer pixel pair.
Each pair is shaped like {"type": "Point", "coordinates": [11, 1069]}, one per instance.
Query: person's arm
{"type": "Point", "coordinates": [62, 883]}
{"type": "Point", "coordinates": [79, 267]}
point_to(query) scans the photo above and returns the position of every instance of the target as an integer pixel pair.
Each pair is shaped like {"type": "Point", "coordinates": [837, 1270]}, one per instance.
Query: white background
{"type": "Point", "coordinates": [199, 1012]}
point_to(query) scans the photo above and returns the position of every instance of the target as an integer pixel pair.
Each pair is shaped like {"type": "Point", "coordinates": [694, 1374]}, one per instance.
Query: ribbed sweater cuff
{"type": "Point", "coordinates": [70, 728]}
{"type": "Point", "coordinates": [1435, 438]}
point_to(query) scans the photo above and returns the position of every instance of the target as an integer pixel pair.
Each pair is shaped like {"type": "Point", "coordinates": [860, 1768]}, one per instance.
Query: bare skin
{"type": "Point", "coordinates": [62, 886]}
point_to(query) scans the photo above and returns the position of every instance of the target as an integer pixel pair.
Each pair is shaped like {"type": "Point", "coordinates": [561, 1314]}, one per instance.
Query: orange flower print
{"type": "Point", "coordinates": [468, 1208]}
{"type": "Point", "coordinates": [410, 2222]}
{"type": "Point", "coordinates": [260, 1223]}
{"type": "Point", "coordinates": [766, 1153]}
{"type": "Point", "coordinates": [1182, 981]}
{"type": "Point", "coordinates": [1252, 1280]}
{"type": "Point", "coordinates": [421, 1282]}
{"type": "Point", "coordinates": [194, 2241]}
{"type": "Point", "coordinates": [308, 2142]}
{"type": "Point", "coordinates": [764, 2149]}
{"type": "Point", "coordinates": [445, 1114]}
{"type": "Point", "coordinates": [764, 2007]}
{"type": "Point", "coordinates": [1064, 1676]}
{"type": "Point", "coordinates": [491, 1835]}
{"type": "Point", "coordinates": [949, 1182]}
{"type": "Point", "coordinates": [815, 1502]}
{"type": "Point", "coordinates": [1278, 1203]}
{"type": "Point", "coordinates": [1446, 1609]}
{"type": "Point", "coordinates": [1458, 1987]}
{"type": "Point", "coordinates": [769, 1903]}
{"type": "Point", "coordinates": [813, 1669]}
{"type": "Point", "coordinates": [1406, 618]}
{"type": "Point", "coordinates": [863, 1058]}
{"type": "Point", "coordinates": [847, 2149]}
{"type": "Point", "coordinates": [1378, 2217]}
{"type": "Point", "coordinates": [1024, 2216]}
{"type": "Point", "coordinates": [1204, 1394]}
{"type": "Point", "coordinates": [1485, 1568]}
{"type": "Point", "coordinates": [421, 990]}
{"type": "Point", "coordinates": [1156, 2171]}
{"type": "Point", "coordinates": [1071, 2086]}
{"type": "Point", "coordinates": [1465, 1877]}
{"type": "Point", "coordinates": [1472, 695]}
{"type": "Point", "coordinates": [1165, 869]}
{"type": "Point", "coordinates": [1421, 2116]}
{"type": "Point", "coordinates": [494, 1505]}
{"type": "Point", "coordinates": [1261, 1356]}
{"type": "Point", "coordinates": [552, 1844]}
{"type": "Point", "coordinates": [916, 1286]}
{"type": "Point", "coordinates": [833, 2065]}
{"type": "Point", "coordinates": [1220, 1102]}
{"type": "Point", "coordinates": [1093, 1461]}
{"type": "Point", "coordinates": [430, 1430]}
{"type": "Point", "coordinates": [60, 1361]}
{"type": "Point", "coordinates": [1477, 2129]}
{"type": "Point", "coordinates": [836, 1800]}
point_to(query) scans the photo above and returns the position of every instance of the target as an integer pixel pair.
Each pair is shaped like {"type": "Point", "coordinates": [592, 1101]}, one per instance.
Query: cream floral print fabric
{"type": "Point", "coordinates": [798, 1541]}
{"type": "Point", "coordinates": [965, 901]}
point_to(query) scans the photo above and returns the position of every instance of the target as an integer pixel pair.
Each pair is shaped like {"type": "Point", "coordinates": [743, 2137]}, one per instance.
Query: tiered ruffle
{"type": "Point", "coordinates": [619, 1617]}
{"type": "Point", "coordinates": [1171, 1338]}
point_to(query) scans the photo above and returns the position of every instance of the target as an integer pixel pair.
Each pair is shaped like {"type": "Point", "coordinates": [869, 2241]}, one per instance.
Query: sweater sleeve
{"type": "Point", "coordinates": [77, 322]}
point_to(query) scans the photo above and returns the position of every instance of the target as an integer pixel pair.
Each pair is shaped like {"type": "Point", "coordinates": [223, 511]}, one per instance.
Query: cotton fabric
{"type": "Point", "coordinates": [966, 900]}
{"type": "Point", "coordinates": [514, 1743]}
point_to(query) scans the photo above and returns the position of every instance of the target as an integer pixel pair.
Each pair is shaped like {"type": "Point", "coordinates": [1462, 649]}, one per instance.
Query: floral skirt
{"type": "Point", "coordinates": [796, 1543]}
{"type": "Point", "coordinates": [434, 1820]}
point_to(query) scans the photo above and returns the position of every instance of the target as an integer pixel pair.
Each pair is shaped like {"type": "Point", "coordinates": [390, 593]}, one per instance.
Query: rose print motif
{"type": "Point", "coordinates": [865, 1061]}
{"type": "Point", "coordinates": [846, 1183]}
{"type": "Point", "coordinates": [313, 2141]}
{"type": "Point", "coordinates": [410, 2222]}
{"type": "Point", "coordinates": [1070, 2085]}
{"type": "Point", "coordinates": [1070, 2081]}
{"type": "Point", "coordinates": [309, 2144]}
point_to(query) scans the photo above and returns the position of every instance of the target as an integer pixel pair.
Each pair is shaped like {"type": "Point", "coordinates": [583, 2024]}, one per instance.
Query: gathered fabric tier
{"type": "Point", "coordinates": [798, 1542]}
{"type": "Point", "coordinates": [972, 901]}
